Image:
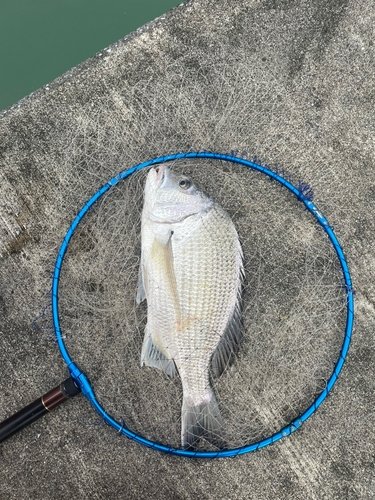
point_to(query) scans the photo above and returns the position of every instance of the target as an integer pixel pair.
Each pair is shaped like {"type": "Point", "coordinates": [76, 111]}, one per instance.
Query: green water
{"type": "Point", "coordinates": [42, 39]}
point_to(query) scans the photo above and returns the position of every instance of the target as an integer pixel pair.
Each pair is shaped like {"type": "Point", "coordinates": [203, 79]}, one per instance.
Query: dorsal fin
{"type": "Point", "coordinates": [232, 336]}
{"type": "Point", "coordinates": [229, 343]}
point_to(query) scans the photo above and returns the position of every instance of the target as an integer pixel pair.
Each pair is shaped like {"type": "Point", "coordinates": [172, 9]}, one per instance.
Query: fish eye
{"type": "Point", "coordinates": [184, 183]}
{"type": "Point", "coordinates": [157, 169]}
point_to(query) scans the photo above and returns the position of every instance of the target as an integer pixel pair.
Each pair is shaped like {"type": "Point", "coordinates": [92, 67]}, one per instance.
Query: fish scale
{"type": "Point", "coordinates": [191, 275]}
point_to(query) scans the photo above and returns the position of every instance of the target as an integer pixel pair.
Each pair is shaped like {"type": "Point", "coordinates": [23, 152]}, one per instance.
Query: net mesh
{"type": "Point", "coordinates": [293, 316]}
{"type": "Point", "coordinates": [294, 309]}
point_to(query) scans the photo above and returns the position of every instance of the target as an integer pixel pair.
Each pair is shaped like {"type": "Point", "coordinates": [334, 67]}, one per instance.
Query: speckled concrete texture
{"type": "Point", "coordinates": [310, 68]}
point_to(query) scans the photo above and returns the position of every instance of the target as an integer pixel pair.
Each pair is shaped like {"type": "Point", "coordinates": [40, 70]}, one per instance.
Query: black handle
{"type": "Point", "coordinates": [35, 410]}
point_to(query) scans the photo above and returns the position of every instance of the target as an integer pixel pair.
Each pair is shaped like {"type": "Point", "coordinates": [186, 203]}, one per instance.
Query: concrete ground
{"type": "Point", "coordinates": [301, 91]}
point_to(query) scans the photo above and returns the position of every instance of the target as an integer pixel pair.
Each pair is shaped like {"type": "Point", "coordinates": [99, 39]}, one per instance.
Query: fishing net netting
{"type": "Point", "coordinates": [294, 308]}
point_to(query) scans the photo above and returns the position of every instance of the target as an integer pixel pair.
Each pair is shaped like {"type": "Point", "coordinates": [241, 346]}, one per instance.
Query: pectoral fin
{"type": "Point", "coordinates": [161, 269]}
{"type": "Point", "coordinates": [141, 292]}
{"type": "Point", "coordinates": [162, 256]}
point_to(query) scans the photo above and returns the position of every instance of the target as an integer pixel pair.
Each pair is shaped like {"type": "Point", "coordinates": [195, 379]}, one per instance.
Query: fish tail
{"type": "Point", "coordinates": [202, 421]}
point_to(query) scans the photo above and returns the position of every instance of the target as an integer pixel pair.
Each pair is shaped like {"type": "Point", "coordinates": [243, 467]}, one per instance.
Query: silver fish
{"type": "Point", "coordinates": [191, 274]}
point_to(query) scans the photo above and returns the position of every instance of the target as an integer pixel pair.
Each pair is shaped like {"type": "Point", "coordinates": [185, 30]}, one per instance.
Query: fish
{"type": "Point", "coordinates": [191, 274]}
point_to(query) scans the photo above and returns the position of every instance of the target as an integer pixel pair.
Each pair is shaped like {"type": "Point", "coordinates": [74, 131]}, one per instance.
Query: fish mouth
{"type": "Point", "coordinates": [160, 173]}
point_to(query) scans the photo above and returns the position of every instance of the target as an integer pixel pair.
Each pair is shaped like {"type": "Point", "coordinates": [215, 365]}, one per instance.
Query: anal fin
{"type": "Point", "coordinates": [156, 356]}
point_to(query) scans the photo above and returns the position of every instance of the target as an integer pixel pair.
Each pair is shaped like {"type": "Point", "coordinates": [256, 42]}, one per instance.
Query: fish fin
{"type": "Point", "coordinates": [202, 421]}
{"type": "Point", "coordinates": [156, 356]}
{"type": "Point", "coordinates": [162, 254]}
{"type": "Point", "coordinates": [229, 343]}
{"type": "Point", "coordinates": [141, 292]}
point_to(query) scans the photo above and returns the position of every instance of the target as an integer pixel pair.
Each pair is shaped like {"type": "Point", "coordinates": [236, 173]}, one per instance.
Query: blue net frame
{"type": "Point", "coordinates": [302, 193]}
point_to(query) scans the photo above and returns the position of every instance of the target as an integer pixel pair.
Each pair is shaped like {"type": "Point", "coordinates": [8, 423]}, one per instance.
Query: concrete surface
{"type": "Point", "coordinates": [309, 66]}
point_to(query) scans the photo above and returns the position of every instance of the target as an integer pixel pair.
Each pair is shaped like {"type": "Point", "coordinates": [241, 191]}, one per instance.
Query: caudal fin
{"type": "Point", "coordinates": [202, 421]}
